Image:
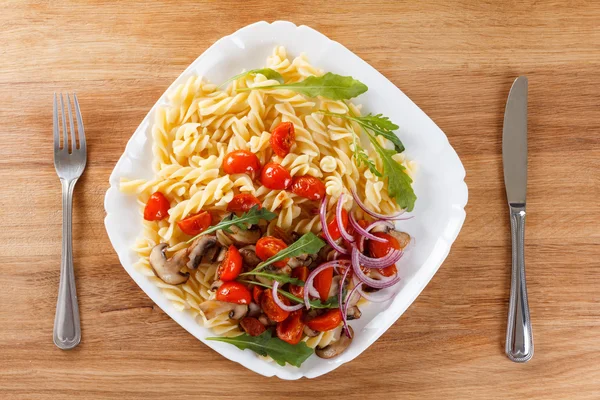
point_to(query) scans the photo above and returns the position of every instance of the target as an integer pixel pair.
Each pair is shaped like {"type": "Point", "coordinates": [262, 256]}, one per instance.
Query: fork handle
{"type": "Point", "coordinates": [519, 338]}
{"type": "Point", "coordinates": [67, 331]}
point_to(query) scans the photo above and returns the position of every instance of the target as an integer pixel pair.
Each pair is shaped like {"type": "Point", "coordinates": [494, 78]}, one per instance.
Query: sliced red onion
{"type": "Point", "coordinates": [323, 217]}
{"type": "Point", "coordinates": [373, 213]}
{"type": "Point", "coordinates": [281, 304]}
{"type": "Point", "coordinates": [374, 283]}
{"type": "Point", "coordinates": [362, 231]}
{"type": "Point", "coordinates": [344, 310]}
{"type": "Point", "coordinates": [382, 262]}
{"type": "Point", "coordinates": [372, 297]}
{"type": "Point", "coordinates": [338, 216]}
{"type": "Point", "coordinates": [309, 280]}
{"type": "Point", "coordinates": [361, 242]}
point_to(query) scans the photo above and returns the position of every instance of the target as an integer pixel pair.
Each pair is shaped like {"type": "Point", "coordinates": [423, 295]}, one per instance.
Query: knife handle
{"type": "Point", "coordinates": [519, 338]}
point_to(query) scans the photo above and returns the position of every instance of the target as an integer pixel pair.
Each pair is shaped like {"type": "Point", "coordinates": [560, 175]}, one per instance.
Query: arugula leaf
{"type": "Point", "coordinates": [266, 345]}
{"type": "Point", "coordinates": [267, 72]}
{"type": "Point", "coordinates": [331, 302]}
{"type": "Point", "coordinates": [331, 86]}
{"type": "Point", "coordinates": [309, 243]}
{"type": "Point", "coordinates": [281, 278]}
{"type": "Point", "coordinates": [399, 183]}
{"type": "Point", "coordinates": [378, 124]}
{"type": "Point", "coordinates": [362, 158]}
{"type": "Point", "coordinates": [251, 217]}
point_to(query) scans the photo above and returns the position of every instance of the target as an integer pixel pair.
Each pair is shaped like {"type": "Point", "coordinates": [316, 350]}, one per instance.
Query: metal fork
{"type": "Point", "coordinates": [69, 160]}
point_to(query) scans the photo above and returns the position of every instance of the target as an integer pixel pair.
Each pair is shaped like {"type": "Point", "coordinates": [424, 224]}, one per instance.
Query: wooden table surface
{"type": "Point", "coordinates": [456, 61]}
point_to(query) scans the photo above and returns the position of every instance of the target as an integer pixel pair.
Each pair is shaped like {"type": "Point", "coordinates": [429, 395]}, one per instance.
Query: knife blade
{"type": "Point", "coordinates": [519, 337]}
{"type": "Point", "coordinates": [514, 142]}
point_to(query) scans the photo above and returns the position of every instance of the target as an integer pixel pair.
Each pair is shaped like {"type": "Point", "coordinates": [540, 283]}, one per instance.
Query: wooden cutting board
{"type": "Point", "coordinates": [455, 60]}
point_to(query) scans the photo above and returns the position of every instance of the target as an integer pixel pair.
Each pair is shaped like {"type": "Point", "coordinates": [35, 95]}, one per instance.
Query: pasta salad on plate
{"type": "Point", "coordinates": [272, 214]}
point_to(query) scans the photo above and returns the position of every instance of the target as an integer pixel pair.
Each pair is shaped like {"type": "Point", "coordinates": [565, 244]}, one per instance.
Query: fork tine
{"type": "Point", "coordinates": [64, 124]}
{"type": "Point", "coordinates": [73, 142]}
{"type": "Point", "coordinates": [55, 126]}
{"type": "Point", "coordinates": [79, 124]}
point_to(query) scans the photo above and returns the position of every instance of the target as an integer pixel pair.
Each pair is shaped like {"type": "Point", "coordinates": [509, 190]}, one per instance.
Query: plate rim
{"type": "Point", "coordinates": [238, 355]}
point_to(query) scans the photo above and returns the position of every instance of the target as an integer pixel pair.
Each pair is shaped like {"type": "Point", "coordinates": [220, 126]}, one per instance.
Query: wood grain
{"type": "Point", "coordinates": [456, 60]}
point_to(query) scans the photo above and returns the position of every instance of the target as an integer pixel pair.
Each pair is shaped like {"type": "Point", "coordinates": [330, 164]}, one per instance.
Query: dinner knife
{"type": "Point", "coordinates": [519, 338]}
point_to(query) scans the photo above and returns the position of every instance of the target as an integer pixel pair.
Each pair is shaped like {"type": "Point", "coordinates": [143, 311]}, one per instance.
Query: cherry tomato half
{"type": "Point", "coordinates": [231, 266]}
{"type": "Point", "coordinates": [325, 322]}
{"type": "Point", "coordinates": [269, 307]}
{"type": "Point", "coordinates": [234, 292]}
{"type": "Point", "coordinates": [243, 202]}
{"type": "Point", "coordinates": [292, 329]}
{"type": "Point", "coordinates": [381, 249]}
{"type": "Point", "coordinates": [299, 273]}
{"type": "Point", "coordinates": [194, 224]}
{"type": "Point", "coordinates": [252, 326]}
{"type": "Point", "coordinates": [283, 138]}
{"type": "Point", "coordinates": [241, 162]}
{"type": "Point", "coordinates": [333, 228]}
{"type": "Point", "coordinates": [257, 294]}
{"type": "Point", "coordinates": [322, 283]}
{"type": "Point", "coordinates": [268, 246]}
{"type": "Point", "coordinates": [157, 207]}
{"type": "Point", "coordinates": [308, 186]}
{"type": "Point", "coordinates": [274, 176]}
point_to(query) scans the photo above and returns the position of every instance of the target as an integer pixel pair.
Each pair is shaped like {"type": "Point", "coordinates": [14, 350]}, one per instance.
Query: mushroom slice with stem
{"type": "Point", "coordinates": [249, 256]}
{"type": "Point", "coordinates": [353, 313]}
{"type": "Point", "coordinates": [310, 332]}
{"type": "Point", "coordinates": [214, 308]}
{"type": "Point", "coordinates": [199, 249]}
{"type": "Point", "coordinates": [336, 348]}
{"type": "Point", "coordinates": [168, 269]}
{"type": "Point", "coordinates": [239, 237]}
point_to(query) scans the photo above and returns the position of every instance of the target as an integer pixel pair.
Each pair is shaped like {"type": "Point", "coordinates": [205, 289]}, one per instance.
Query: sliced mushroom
{"type": "Point", "coordinates": [310, 332]}
{"type": "Point", "coordinates": [336, 348]}
{"type": "Point", "coordinates": [335, 286]}
{"type": "Point", "coordinates": [302, 260]}
{"type": "Point", "coordinates": [403, 238]}
{"type": "Point", "coordinates": [199, 249]}
{"type": "Point", "coordinates": [213, 308]}
{"type": "Point", "coordinates": [254, 310]}
{"type": "Point", "coordinates": [168, 269]}
{"type": "Point", "coordinates": [216, 285]}
{"type": "Point", "coordinates": [240, 237]}
{"type": "Point", "coordinates": [222, 254]}
{"type": "Point", "coordinates": [238, 312]}
{"type": "Point", "coordinates": [249, 256]}
{"type": "Point", "coordinates": [353, 313]}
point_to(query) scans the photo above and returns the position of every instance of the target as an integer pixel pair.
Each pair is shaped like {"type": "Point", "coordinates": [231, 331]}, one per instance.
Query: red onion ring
{"type": "Point", "coordinates": [362, 231]}
{"type": "Point", "coordinates": [281, 304]}
{"type": "Point", "coordinates": [344, 310]}
{"type": "Point", "coordinates": [332, 243]}
{"type": "Point", "coordinates": [309, 280]}
{"type": "Point", "coordinates": [312, 291]}
{"type": "Point", "coordinates": [373, 213]}
{"type": "Point", "coordinates": [378, 263]}
{"type": "Point", "coordinates": [338, 216]}
{"type": "Point", "coordinates": [374, 283]}
{"type": "Point", "coordinates": [361, 241]}
{"type": "Point", "coordinates": [370, 297]}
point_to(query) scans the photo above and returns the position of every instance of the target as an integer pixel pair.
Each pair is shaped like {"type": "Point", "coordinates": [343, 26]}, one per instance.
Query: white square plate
{"type": "Point", "coordinates": [439, 183]}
